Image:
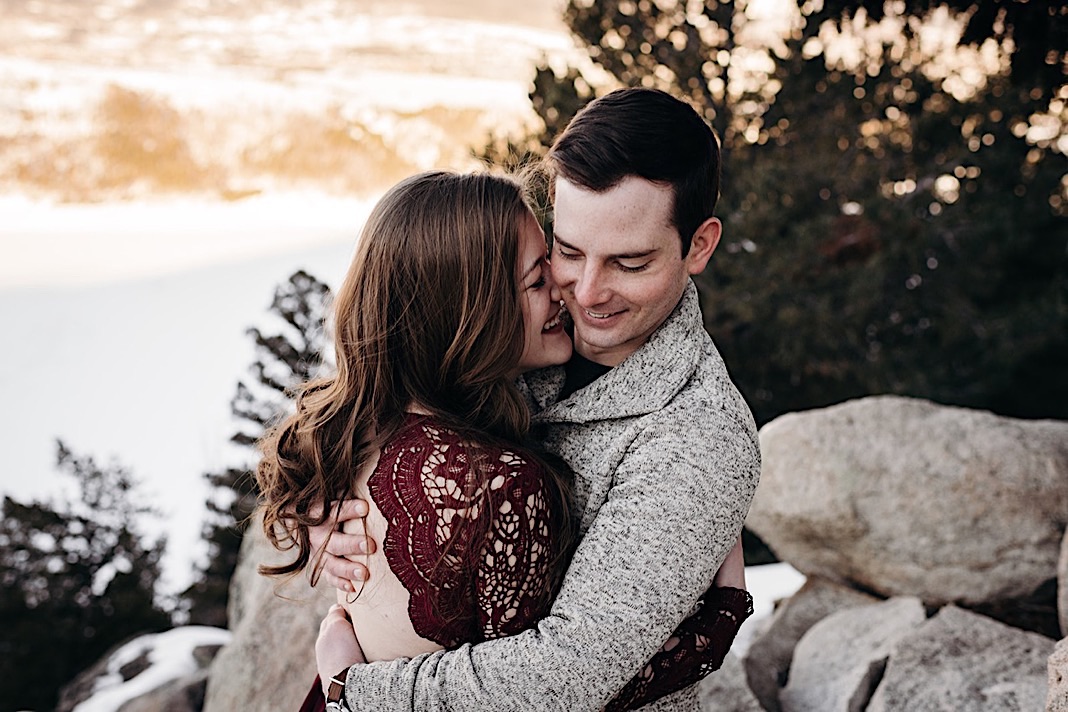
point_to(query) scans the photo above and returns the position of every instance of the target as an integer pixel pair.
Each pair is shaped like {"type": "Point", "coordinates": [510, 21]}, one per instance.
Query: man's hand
{"type": "Point", "coordinates": [336, 648]}
{"type": "Point", "coordinates": [339, 572]}
{"type": "Point", "coordinates": [732, 571]}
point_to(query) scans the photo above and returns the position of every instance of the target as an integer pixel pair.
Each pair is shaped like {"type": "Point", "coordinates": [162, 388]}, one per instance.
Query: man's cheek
{"type": "Point", "coordinates": [562, 275]}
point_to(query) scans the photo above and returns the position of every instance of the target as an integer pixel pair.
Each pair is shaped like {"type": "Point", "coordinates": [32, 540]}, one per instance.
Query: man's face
{"type": "Point", "coordinates": [618, 260]}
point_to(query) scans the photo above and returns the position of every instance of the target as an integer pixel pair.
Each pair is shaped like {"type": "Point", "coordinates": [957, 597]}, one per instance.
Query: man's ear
{"type": "Point", "coordinates": [704, 243]}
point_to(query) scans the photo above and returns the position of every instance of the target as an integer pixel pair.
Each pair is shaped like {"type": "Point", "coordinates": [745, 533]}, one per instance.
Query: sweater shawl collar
{"type": "Point", "coordinates": [644, 382]}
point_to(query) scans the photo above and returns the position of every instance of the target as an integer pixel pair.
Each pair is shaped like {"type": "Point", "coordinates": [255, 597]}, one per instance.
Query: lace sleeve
{"type": "Point", "coordinates": [513, 584]}
{"type": "Point", "coordinates": [697, 648]}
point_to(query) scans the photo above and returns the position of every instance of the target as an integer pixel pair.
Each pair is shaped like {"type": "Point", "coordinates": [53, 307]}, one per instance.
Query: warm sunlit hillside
{"type": "Point", "coordinates": [131, 98]}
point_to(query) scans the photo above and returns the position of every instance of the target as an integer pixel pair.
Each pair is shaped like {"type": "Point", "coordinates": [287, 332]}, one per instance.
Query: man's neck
{"type": "Point", "coordinates": [580, 372]}
{"type": "Point", "coordinates": [610, 358]}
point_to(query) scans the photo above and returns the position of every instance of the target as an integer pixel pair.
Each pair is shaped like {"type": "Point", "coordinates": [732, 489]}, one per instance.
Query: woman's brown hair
{"type": "Point", "coordinates": [429, 315]}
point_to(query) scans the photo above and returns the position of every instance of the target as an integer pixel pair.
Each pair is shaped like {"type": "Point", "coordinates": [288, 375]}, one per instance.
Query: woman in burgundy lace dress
{"type": "Point", "coordinates": [448, 298]}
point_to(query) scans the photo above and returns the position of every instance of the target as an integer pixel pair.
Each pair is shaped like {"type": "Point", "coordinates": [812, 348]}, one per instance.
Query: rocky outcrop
{"type": "Point", "coordinates": [901, 496]}
{"type": "Point", "coordinates": [1057, 678]}
{"type": "Point", "coordinates": [270, 662]}
{"type": "Point", "coordinates": [959, 660]}
{"type": "Point", "coordinates": [882, 496]}
{"type": "Point", "coordinates": [839, 661]}
{"type": "Point", "coordinates": [767, 662]}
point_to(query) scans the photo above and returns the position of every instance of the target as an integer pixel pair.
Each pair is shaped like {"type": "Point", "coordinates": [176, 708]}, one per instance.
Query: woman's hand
{"type": "Point", "coordinates": [338, 571]}
{"type": "Point", "coordinates": [336, 648]}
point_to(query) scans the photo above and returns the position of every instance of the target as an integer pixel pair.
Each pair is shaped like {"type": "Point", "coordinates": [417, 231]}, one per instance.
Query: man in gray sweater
{"type": "Point", "coordinates": [664, 449]}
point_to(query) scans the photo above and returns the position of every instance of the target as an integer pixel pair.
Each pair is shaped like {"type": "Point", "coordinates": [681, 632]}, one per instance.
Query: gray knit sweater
{"type": "Point", "coordinates": [666, 458]}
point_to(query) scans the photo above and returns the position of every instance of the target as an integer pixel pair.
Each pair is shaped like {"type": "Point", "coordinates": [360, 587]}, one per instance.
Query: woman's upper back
{"type": "Point", "coordinates": [467, 542]}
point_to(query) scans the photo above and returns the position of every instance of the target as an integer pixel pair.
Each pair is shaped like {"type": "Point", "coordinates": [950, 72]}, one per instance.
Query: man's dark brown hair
{"type": "Point", "coordinates": [646, 133]}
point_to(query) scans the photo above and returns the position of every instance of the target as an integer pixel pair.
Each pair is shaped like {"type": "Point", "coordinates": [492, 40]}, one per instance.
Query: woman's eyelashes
{"type": "Point", "coordinates": [540, 281]}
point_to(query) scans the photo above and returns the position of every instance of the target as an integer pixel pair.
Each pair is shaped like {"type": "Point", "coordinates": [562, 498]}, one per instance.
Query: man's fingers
{"type": "Point", "coordinates": [351, 509]}
{"type": "Point", "coordinates": [342, 544]}
{"type": "Point", "coordinates": [343, 574]}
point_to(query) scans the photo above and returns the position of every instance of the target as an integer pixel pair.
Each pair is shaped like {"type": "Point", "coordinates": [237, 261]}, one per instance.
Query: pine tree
{"type": "Point", "coordinates": [77, 578]}
{"type": "Point", "coordinates": [283, 360]}
{"type": "Point", "coordinates": [887, 229]}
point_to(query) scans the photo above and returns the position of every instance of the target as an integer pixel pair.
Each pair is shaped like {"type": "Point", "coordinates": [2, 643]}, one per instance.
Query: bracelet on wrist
{"type": "Point", "coordinates": [335, 691]}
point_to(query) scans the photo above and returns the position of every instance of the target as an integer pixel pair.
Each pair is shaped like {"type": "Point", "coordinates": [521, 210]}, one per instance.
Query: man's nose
{"type": "Point", "coordinates": [591, 286]}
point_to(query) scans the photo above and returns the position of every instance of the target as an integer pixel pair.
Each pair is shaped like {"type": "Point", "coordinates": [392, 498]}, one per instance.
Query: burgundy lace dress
{"type": "Point", "coordinates": [431, 487]}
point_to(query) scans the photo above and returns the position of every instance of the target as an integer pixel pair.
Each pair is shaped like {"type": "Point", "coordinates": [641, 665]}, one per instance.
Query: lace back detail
{"type": "Point", "coordinates": [442, 497]}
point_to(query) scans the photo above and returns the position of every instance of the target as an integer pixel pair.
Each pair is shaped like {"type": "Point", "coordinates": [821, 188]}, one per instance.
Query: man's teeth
{"type": "Point", "coordinates": [595, 315]}
{"type": "Point", "coordinates": [552, 324]}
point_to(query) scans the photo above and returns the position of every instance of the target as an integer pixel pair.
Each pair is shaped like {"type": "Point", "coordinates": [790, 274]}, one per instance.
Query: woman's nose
{"type": "Point", "coordinates": [554, 289]}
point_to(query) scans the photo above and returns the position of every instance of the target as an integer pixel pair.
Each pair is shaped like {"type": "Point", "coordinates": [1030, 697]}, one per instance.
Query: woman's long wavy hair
{"type": "Point", "coordinates": [428, 315]}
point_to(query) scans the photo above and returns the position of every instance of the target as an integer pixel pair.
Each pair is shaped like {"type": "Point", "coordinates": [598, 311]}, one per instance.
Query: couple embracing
{"type": "Point", "coordinates": [523, 518]}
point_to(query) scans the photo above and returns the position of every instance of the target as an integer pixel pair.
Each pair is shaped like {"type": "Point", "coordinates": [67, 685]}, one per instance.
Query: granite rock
{"type": "Point", "coordinates": [959, 660]}
{"type": "Point", "coordinates": [902, 496]}
{"type": "Point", "coordinates": [839, 661]}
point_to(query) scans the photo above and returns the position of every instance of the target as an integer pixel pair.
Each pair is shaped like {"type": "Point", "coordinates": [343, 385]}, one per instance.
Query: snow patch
{"type": "Point", "coordinates": [767, 584]}
{"type": "Point", "coordinates": [170, 656]}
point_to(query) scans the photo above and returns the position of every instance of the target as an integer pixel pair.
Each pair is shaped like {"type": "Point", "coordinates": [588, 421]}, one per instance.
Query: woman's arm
{"type": "Point", "coordinates": [696, 648]}
{"type": "Point", "coordinates": [508, 603]}
{"type": "Point", "coordinates": [700, 643]}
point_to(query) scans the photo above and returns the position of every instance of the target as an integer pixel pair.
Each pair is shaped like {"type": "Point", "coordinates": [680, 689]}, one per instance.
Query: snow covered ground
{"type": "Point", "coordinates": [126, 332]}
{"type": "Point", "coordinates": [768, 585]}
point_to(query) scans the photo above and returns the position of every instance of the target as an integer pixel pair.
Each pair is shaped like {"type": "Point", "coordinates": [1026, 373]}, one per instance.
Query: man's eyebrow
{"type": "Point", "coordinates": [565, 243]}
{"type": "Point", "coordinates": [617, 256]}
{"type": "Point", "coordinates": [633, 255]}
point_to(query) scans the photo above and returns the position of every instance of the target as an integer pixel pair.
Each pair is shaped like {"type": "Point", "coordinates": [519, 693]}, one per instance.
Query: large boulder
{"type": "Point", "coordinates": [838, 662]}
{"type": "Point", "coordinates": [959, 660]}
{"type": "Point", "coordinates": [767, 662]}
{"type": "Point", "coordinates": [270, 662]}
{"type": "Point", "coordinates": [901, 496]}
{"type": "Point", "coordinates": [1057, 678]}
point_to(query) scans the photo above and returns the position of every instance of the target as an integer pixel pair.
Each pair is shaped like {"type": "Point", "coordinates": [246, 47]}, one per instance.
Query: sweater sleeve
{"type": "Point", "coordinates": [677, 505]}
